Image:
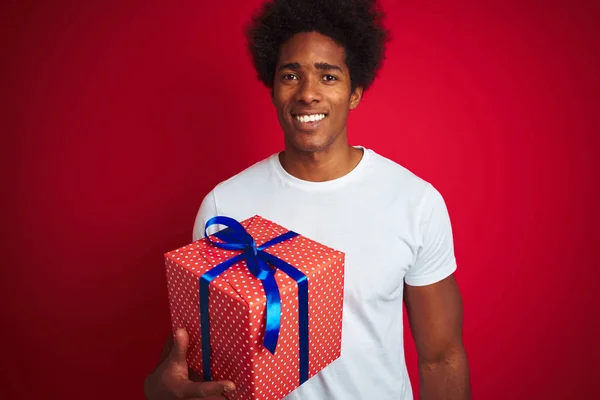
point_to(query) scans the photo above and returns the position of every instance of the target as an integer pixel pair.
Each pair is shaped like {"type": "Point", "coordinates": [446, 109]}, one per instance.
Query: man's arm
{"type": "Point", "coordinates": [435, 315]}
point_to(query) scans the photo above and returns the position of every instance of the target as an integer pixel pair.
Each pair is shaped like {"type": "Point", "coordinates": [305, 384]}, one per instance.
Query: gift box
{"type": "Point", "coordinates": [262, 306]}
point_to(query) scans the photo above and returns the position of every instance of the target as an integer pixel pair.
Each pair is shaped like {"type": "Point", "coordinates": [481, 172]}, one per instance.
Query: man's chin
{"type": "Point", "coordinates": [307, 146]}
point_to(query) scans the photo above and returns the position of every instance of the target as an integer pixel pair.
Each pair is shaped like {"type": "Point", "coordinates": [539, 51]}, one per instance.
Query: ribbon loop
{"type": "Point", "coordinates": [234, 238]}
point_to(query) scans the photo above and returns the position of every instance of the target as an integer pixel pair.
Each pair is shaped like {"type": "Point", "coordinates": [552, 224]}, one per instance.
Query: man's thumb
{"type": "Point", "coordinates": [179, 350]}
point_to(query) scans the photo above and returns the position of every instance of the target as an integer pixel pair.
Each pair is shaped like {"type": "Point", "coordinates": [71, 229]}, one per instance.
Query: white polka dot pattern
{"type": "Point", "coordinates": [237, 305]}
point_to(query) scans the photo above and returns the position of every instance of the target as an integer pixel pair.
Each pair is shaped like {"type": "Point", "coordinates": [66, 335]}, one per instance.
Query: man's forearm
{"type": "Point", "coordinates": [446, 378]}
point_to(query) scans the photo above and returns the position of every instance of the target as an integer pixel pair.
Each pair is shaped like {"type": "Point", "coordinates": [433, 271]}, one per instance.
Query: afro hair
{"type": "Point", "coordinates": [356, 25]}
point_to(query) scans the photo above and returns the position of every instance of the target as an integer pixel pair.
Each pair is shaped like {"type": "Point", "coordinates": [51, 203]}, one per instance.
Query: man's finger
{"type": "Point", "coordinates": [209, 398]}
{"type": "Point", "coordinates": [207, 389]}
{"type": "Point", "coordinates": [179, 350]}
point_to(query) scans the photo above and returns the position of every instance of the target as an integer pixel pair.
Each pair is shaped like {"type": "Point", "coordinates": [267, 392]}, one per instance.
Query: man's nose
{"type": "Point", "coordinates": [308, 91]}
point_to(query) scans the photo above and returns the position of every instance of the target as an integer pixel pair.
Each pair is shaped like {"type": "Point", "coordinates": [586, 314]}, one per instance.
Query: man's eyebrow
{"type": "Point", "coordinates": [293, 66]}
{"type": "Point", "coordinates": [327, 66]}
{"type": "Point", "coordinates": [320, 65]}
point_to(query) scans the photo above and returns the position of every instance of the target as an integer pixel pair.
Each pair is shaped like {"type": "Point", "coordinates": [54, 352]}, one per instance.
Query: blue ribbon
{"type": "Point", "coordinates": [257, 260]}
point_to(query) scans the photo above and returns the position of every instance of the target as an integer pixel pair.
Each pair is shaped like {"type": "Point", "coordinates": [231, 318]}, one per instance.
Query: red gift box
{"type": "Point", "coordinates": [236, 311]}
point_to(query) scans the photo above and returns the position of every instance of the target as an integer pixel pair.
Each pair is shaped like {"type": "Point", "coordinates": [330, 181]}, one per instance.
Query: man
{"type": "Point", "coordinates": [318, 57]}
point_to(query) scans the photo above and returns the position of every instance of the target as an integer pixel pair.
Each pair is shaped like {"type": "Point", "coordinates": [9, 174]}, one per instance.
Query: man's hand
{"type": "Point", "coordinates": [170, 380]}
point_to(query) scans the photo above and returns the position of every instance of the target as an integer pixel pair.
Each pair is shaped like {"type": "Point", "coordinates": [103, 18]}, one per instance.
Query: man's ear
{"type": "Point", "coordinates": [356, 97]}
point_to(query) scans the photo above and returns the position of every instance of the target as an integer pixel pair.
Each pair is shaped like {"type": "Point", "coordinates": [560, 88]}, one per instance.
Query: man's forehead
{"type": "Point", "coordinates": [312, 44]}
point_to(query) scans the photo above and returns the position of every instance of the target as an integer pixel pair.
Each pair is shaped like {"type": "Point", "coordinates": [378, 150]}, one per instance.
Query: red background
{"type": "Point", "coordinates": [117, 118]}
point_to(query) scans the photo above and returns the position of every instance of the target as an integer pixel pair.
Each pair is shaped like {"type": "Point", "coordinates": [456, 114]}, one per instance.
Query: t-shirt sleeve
{"type": "Point", "coordinates": [435, 259]}
{"type": "Point", "coordinates": [208, 209]}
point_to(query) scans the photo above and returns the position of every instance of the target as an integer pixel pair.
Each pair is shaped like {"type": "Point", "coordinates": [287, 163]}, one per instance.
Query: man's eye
{"type": "Point", "coordinates": [329, 78]}
{"type": "Point", "coordinates": [289, 77]}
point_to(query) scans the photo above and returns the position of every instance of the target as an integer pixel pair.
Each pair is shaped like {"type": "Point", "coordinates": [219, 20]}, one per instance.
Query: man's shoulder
{"type": "Point", "coordinates": [247, 177]}
{"type": "Point", "coordinates": [395, 174]}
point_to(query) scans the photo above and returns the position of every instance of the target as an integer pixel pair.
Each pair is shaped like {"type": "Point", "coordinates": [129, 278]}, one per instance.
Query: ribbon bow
{"type": "Point", "coordinates": [263, 266]}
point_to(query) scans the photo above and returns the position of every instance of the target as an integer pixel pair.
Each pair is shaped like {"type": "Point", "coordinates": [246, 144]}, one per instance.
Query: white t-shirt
{"type": "Point", "coordinates": [393, 227]}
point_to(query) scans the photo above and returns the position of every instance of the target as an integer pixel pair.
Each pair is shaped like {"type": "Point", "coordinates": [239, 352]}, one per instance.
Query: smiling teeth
{"type": "Point", "coordinates": [310, 118]}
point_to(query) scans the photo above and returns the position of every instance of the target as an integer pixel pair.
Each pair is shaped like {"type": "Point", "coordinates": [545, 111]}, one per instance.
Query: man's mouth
{"type": "Point", "coordinates": [305, 118]}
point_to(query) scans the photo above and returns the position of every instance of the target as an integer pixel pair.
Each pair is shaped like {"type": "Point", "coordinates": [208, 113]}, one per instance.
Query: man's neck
{"type": "Point", "coordinates": [321, 166]}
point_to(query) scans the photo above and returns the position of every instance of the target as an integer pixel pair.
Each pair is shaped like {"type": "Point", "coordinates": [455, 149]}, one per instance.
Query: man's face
{"type": "Point", "coordinates": [312, 92]}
